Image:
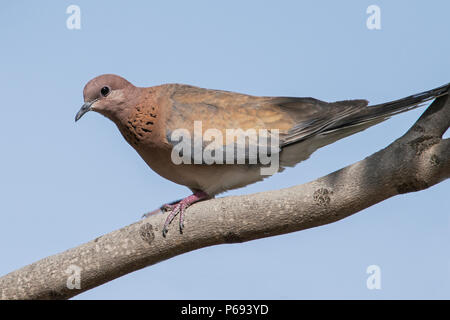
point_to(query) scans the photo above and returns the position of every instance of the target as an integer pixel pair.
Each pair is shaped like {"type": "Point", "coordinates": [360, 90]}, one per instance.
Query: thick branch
{"type": "Point", "coordinates": [416, 161]}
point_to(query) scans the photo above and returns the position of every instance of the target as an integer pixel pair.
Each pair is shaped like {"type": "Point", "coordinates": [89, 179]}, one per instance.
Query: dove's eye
{"type": "Point", "coordinates": [105, 91]}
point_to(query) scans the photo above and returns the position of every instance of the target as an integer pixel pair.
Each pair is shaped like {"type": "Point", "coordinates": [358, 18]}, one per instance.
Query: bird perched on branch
{"type": "Point", "coordinates": [153, 120]}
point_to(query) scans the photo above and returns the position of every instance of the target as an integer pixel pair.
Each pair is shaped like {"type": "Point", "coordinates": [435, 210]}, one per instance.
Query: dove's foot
{"type": "Point", "coordinates": [178, 207]}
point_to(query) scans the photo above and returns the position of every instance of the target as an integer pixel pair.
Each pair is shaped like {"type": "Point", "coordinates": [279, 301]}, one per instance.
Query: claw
{"type": "Point", "coordinates": [182, 210]}
{"type": "Point", "coordinates": [167, 207]}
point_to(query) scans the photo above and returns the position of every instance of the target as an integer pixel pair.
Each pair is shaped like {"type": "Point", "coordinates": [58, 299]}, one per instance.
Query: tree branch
{"type": "Point", "coordinates": [416, 161]}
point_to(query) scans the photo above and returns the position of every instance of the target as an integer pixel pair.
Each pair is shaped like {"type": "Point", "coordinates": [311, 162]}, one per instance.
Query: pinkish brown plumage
{"type": "Point", "coordinates": [146, 117]}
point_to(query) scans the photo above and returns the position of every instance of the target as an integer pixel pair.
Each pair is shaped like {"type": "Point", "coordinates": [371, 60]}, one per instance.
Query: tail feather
{"type": "Point", "coordinates": [343, 121]}
{"type": "Point", "coordinates": [380, 112]}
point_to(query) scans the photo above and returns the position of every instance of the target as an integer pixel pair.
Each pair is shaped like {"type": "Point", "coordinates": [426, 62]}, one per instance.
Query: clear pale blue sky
{"type": "Point", "coordinates": [63, 184]}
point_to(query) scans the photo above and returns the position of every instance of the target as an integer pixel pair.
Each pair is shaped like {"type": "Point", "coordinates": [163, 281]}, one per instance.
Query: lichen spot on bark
{"type": "Point", "coordinates": [146, 233]}
{"type": "Point", "coordinates": [322, 197]}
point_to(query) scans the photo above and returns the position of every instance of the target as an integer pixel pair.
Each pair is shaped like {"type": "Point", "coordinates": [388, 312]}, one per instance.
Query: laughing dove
{"type": "Point", "coordinates": [153, 120]}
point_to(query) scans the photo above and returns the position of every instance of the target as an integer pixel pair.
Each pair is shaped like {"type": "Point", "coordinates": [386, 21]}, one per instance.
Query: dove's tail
{"type": "Point", "coordinates": [368, 116]}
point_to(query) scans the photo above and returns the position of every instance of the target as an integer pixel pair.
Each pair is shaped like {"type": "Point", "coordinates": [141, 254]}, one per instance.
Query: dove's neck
{"type": "Point", "coordinates": [139, 122]}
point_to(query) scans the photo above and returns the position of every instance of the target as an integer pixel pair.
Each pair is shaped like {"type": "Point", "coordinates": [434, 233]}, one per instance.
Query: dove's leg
{"type": "Point", "coordinates": [179, 207]}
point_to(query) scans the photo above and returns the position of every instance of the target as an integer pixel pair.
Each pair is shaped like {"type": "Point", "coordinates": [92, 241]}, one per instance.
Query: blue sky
{"type": "Point", "coordinates": [64, 184]}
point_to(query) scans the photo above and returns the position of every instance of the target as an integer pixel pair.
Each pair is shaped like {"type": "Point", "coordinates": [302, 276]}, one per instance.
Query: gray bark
{"type": "Point", "coordinates": [416, 161]}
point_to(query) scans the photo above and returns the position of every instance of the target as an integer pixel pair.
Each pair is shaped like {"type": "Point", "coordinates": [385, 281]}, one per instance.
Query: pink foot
{"type": "Point", "coordinates": [179, 207]}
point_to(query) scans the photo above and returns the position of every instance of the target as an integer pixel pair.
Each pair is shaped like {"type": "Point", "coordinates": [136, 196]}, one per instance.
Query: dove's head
{"type": "Point", "coordinates": [107, 94]}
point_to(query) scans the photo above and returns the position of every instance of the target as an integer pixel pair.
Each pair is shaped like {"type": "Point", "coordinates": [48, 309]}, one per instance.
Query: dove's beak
{"type": "Point", "coordinates": [85, 108]}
